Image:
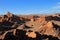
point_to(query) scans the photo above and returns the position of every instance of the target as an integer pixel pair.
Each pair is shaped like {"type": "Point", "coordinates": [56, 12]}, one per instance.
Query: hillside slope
{"type": "Point", "coordinates": [32, 27]}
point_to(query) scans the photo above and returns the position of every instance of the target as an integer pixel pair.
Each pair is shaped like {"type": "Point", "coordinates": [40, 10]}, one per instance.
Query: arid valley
{"type": "Point", "coordinates": [29, 27]}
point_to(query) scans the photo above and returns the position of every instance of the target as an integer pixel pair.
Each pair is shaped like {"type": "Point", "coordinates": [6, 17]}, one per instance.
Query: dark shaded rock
{"type": "Point", "coordinates": [10, 36]}
{"type": "Point", "coordinates": [6, 23]}
{"type": "Point", "coordinates": [20, 34]}
{"type": "Point", "coordinates": [49, 18]}
{"type": "Point", "coordinates": [56, 26]}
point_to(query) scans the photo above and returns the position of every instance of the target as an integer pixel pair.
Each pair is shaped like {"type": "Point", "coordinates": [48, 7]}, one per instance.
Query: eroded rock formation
{"type": "Point", "coordinates": [14, 27]}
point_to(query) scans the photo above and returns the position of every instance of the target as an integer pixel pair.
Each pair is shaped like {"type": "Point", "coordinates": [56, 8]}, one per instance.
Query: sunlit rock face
{"type": "Point", "coordinates": [50, 29]}
{"type": "Point", "coordinates": [29, 27]}
{"type": "Point", "coordinates": [31, 34]}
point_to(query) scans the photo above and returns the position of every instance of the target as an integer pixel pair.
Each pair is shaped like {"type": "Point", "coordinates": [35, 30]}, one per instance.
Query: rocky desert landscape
{"type": "Point", "coordinates": [29, 27]}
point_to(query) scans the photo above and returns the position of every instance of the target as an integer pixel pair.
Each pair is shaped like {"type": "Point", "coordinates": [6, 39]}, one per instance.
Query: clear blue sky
{"type": "Point", "coordinates": [29, 6]}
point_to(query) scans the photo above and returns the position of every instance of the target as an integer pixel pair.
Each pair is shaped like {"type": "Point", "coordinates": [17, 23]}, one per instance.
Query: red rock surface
{"type": "Point", "coordinates": [31, 34]}
{"type": "Point", "coordinates": [29, 27]}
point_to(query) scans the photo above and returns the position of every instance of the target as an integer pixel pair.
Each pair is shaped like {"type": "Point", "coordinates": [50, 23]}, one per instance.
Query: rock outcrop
{"type": "Point", "coordinates": [14, 27]}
